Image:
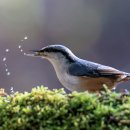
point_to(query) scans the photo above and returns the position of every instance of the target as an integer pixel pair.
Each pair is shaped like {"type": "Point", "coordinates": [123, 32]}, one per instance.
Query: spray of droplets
{"type": "Point", "coordinates": [12, 90]}
{"type": "Point", "coordinates": [8, 73]}
{"type": "Point", "coordinates": [20, 46]}
{"type": "Point", "coordinates": [5, 59]}
{"type": "Point", "coordinates": [5, 63]}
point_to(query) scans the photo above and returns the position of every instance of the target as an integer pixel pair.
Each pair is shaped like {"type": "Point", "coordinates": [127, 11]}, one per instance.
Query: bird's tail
{"type": "Point", "coordinates": [123, 77]}
{"type": "Point", "coordinates": [127, 77]}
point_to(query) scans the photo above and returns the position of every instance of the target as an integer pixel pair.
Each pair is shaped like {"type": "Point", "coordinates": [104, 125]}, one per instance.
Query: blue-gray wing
{"type": "Point", "coordinates": [91, 69]}
{"type": "Point", "coordinates": [78, 69]}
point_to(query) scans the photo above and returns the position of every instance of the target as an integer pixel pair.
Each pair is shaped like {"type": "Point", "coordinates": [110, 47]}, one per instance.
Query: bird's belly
{"type": "Point", "coordinates": [74, 83]}
{"type": "Point", "coordinates": [69, 82]}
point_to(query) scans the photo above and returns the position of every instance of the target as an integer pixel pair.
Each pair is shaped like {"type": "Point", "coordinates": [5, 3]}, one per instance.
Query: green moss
{"type": "Point", "coordinates": [43, 109]}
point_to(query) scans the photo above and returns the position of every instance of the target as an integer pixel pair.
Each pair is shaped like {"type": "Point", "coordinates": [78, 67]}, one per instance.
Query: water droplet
{"type": "Point", "coordinates": [6, 70]}
{"type": "Point", "coordinates": [21, 50]}
{"type": "Point", "coordinates": [19, 46]}
{"type": "Point", "coordinates": [25, 38]}
{"type": "Point", "coordinates": [11, 88]}
{"type": "Point", "coordinates": [8, 73]}
{"type": "Point", "coordinates": [7, 50]}
{"type": "Point", "coordinates": [5, 65]}
{"type": "Point", "coordinates": [4, 59]}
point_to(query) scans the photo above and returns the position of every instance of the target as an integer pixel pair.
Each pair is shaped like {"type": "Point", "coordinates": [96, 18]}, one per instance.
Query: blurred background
{"type": "Point", "coordinates": [94, 30]}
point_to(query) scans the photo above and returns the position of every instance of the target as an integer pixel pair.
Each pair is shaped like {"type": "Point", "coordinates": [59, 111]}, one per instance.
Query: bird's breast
{"type": "Point", "coordinates": [69, 82]}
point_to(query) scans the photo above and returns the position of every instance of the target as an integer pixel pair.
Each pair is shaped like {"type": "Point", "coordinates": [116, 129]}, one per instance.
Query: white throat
{"type": "Point", "coordinates": [68, 81]}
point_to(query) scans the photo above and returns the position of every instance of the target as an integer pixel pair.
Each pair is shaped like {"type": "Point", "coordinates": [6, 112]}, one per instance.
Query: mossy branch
{"type": "Point", "coordinates": [43, 109]}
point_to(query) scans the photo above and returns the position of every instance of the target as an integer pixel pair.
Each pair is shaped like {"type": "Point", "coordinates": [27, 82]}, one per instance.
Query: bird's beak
{"type": "Point", "coordinates": [35, 53]}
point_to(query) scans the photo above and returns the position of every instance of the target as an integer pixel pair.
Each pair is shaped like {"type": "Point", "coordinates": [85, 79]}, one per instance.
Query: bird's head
{"type": "Point", "coordinates": [55, 52]}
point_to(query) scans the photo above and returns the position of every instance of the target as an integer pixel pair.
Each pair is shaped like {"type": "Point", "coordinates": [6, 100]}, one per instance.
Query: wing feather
{"type": "Point", "coordinates": [90, 69]}
{"type": "Point", "coordinates": [106, 70]}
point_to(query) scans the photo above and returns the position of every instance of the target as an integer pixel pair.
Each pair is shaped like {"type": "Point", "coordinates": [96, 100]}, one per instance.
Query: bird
{"type": "Point", "coordinates": [77, 74]}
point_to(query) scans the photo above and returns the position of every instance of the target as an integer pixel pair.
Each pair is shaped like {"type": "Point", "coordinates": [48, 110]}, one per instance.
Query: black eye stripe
{"type": "Point", "coordinates": [49, 49]}
{"type": "Point", "coordinates": [52, 50]}
{"type": "Point", "coordinates": [64, 52]}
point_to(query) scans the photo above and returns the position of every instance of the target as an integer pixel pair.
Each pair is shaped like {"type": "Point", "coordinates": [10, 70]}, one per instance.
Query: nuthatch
{"type": "Point", "coordinates": [79, 75]}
